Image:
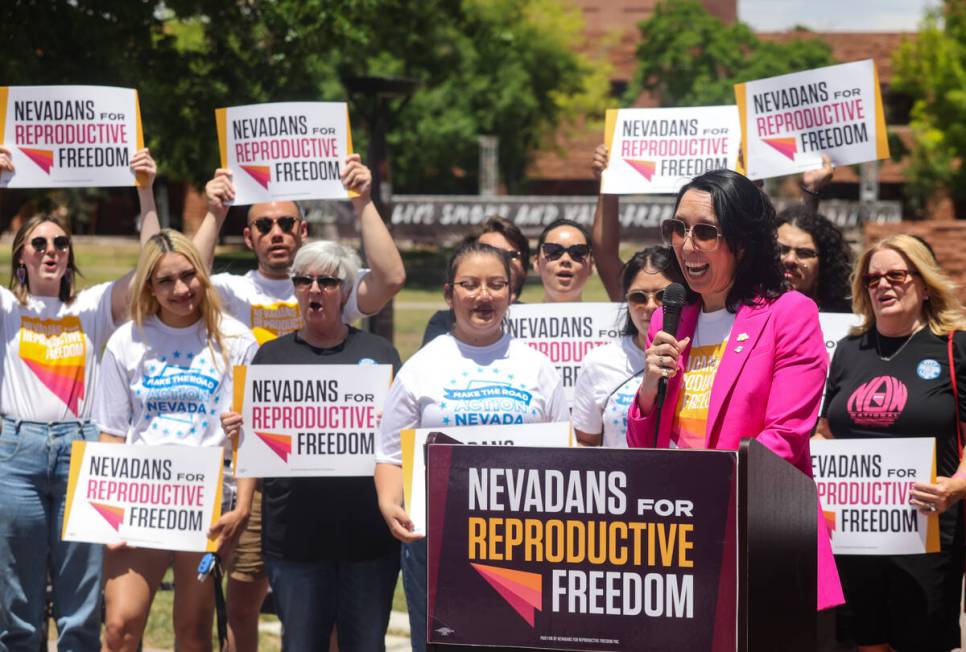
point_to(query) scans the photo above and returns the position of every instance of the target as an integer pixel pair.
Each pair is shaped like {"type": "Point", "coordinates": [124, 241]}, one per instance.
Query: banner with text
{"type": "Point", "coordinates": [285, 150]}
{"type": "Point", "coordinates": [564, 332]}
{"type": "Point", "coordinates": [571, 549]}
{"type": "Point", "coordinates": [412, 443]}
{"type": "Point", "coordinates": [835, 326]}
{"type": "Point", "coordinates": [864, 484]}
{"type": "Point", "coordinates": [164, 497]}
{"type": "Point", "coordinates": [70, 136]}
{"type": "Point", "coordinates": [309, 420]}
{"type": "Point", "coordinates": [789, 121]}
{"type": "Point", "coordinates": [656, 151]}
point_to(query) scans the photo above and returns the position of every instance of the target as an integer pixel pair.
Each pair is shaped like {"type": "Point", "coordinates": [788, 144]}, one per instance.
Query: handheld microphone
{"type": "Point", "coordinates": [674, 298]}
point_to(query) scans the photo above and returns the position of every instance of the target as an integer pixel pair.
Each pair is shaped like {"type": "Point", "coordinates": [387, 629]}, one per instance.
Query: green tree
{"type": "Point", "coordinates": [687, 57]}
{"type": "Point", "coordinates": [931, 68]}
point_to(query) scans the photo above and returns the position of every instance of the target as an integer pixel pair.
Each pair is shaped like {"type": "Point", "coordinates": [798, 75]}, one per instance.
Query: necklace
{"type": "Point", "coordinates": [888, 358]}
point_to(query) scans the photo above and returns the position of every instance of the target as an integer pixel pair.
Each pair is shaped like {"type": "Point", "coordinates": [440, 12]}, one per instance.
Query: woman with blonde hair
{"type": "Point", "coordinates": [178, 342]}
{"type": "Point", "coordinates": [52, 335]}
{"type": "Point", "coordinates": [896, 375]}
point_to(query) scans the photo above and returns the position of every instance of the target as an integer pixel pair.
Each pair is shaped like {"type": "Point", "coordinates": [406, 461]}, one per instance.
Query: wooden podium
{"type": "Point", "coordinates": [752, 552]}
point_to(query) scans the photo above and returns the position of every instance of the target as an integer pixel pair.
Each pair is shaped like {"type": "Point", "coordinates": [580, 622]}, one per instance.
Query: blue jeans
{"type": "Point", "coordinates": [34, 465]}
{"type": "Point", "coordinates": [311, 597]}
{"type": "Point", "coordinates": [414, 582]}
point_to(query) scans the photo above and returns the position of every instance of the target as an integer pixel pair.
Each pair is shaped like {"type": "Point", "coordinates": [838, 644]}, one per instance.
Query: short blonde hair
{"type": "Point", "coordinates": [143, 302]}
{"type": "Point", "coordinates": [942, 309]}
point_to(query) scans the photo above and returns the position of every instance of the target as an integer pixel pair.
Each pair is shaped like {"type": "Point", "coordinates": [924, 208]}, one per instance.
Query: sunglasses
{"type": "Point", "coordinates": [800, 252]}
{"type": "Point", "coordinates": [703, 236]}
{"type": "Point", "coordinates": [642, 298]}
{"type": "Point", "coordinates": [325, 282]}
{"type": "Point", "coordinates": [553, 251]}
{"type": "Point", "coordinates": [265, 224]}
{"type": "Point", "coordinates": [60, 243]}
{"type": "Point", "coordinates": [512, 254]}
{"type": "Point", "coordinates": [893, 277]}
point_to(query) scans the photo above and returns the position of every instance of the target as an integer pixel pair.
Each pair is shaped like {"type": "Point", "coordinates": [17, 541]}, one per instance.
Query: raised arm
{"type": "Point", "coordinates": [605, 233]}
{"type": "Point", "coordinates": [386, 272]}
{"type": "Point", "coordinates": [6, 160]}
{"type": "Point", "coordinates": [146, 170]}
{"type": "Point", "coordinates": [219, 192]}
{"type": "Point", "coordinates": [813, 181]}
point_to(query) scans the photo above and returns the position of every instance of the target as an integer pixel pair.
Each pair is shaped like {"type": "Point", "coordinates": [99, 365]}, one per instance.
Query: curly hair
{"type": "Point", "coordinates": [834, 254]}
{"type": "Point", "coordinates": [747, 220]}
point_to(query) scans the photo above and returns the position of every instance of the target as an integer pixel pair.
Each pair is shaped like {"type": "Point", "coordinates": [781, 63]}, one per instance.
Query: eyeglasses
{"type": "Point", "coordinates": [800, 252]}
{"type": "Point", "coordinates": [553, 251]}
{"type": "Point", "coordinates": [265, 224]}
{"type": "Point", "coordinates": [893, 277]}
{"type": "Point", "coordinates": [329, 283]}
{"type": "Point", "coordinates": [60, 243]}
{"type": "Point", "coordinates": [642, 298]}
{"type": "Point", "coordinates": [704, 236]}
{"type": "Point", "coordinates": [512, 254]}
{"type": "Point", "coordinates": [473, 285]}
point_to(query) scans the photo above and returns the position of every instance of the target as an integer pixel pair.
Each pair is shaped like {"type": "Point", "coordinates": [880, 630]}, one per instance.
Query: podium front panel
{"type": "Point", "coordinates": [575, 549]}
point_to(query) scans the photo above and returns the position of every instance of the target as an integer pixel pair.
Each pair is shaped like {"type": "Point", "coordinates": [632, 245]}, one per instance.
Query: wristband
{"type": "Point", "coordinates": [813, 193]}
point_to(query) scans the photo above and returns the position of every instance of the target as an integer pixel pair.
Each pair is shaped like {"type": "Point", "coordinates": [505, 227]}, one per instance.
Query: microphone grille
{"type": "Point", "coordinates": [675, 295]}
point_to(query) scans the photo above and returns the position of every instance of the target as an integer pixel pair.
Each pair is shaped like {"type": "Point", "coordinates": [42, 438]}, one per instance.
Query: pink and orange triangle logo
{"type": "Point", "coordinates": [42, 157]}
{"type": "Point", "coordinates": [645, 168]}
{"type": "Point", "coordinates": [260, 173]}
{"type": "Point", "coordinates": [829, 520]}
{"type": "Point", "coordinates": [280, 444]}
{"type": "Point", "coordinates": [785, 146]}
{"type": "Point", "coordinates": [113, 515]}
{"type": "Point", "coordinates": [522, 590]}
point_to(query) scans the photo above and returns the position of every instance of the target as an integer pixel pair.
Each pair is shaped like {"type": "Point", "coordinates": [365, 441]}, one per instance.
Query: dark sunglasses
{"type": "Point", "coordinates": [893, 277]}
{"type": "Point", "coordinates": [641, 298]}
{"type": "Point", "coordinates": [553, 251]}
{"type": "Point", "coordinates": [704, 236]}
{"type": "Point", "coordinates": [61, 243]}
{"type": "Point", "coordinates": [512, 254]}
{"type": "Point", "coordinates": [265, 224]}
{"type": "Point", "coordinates": [800, 252]}
{"type": "Point", "coordinates": [325, 282]}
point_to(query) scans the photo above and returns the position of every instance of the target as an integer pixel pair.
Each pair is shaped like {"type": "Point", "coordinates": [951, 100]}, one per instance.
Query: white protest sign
{"type": "Point", "coordinates": [412, 444]}
{"type": "Point", "coordinates": [309, 420]}
{"type": "Point", "coordinates": [164, 497]}
{"type": "Point", "coordinates": [564, 332]}
{"type": "Point", "coordinates": [70, 136]}
{"type": "Point", "coordinates": [659, 150]}
{"type": "Point", "coordinates": [789, 121]}
{"type": "Point", "coordinates": [285, 150]}
{"type": "Point", "coordinates": [863, 486]}
{"type": "Point", "coordinates": [835, 326]}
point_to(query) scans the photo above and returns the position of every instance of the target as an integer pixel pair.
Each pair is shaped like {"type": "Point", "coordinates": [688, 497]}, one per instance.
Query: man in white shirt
{"type": "Point", "coordinates": [264, 300]}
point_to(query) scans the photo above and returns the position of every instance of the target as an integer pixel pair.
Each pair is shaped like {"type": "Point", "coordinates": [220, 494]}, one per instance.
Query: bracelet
{"type": "Point", "coordinates": [813, 193]}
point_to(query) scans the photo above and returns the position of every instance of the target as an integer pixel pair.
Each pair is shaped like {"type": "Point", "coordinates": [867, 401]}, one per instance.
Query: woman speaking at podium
{"type": "Point", "coordinates": [751, 360]}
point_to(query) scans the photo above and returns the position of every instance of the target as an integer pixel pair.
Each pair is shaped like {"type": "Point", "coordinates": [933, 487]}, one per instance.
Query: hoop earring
{"type": "Point", "coordinates": [22, 274]}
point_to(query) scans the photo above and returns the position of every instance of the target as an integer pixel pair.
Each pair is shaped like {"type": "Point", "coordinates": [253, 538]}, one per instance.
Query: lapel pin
{"type": "Point", "coordinates": [739, 349]}
{"type": "Point", "coordinates": [742, 337]}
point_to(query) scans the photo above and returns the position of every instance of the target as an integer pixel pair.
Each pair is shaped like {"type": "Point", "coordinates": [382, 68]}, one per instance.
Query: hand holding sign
{"type": "Point", "coordinates": [938, 496]}
{"type": "Point", "coordinates": [6, 160]}
{"type": "Point", "coordinates": [814, 180]}
{"type": "Point", "coordinates": [144, 168]}
{"type": "Point", "coordinates": [599, 164]}
{"type": "Point", "coordinates": [357, 178]}
{"type": "Point", "coordinates": [220, 192]}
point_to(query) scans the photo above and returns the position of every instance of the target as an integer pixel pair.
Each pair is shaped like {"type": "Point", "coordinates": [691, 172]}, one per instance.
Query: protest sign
{"type": "Point", "coordinates": [285, 150]}
{"type": "Point", "coordinates": [309, 420]}
{"type": "Point", "coordinates": [164, 497]}
{"type": "Point", "coordinates": [412, 444]}
{"type": "Point", "coordinates": [656, 151]}
{"type": "Point", "coordinates": [789, 121]}
{"type": "Point", "coordinates": [835, 326]}
{"type": "Point", "coordinates": [564, 332]}
{"type": "Point", "coordinates": [70, 136]}
{"type": "Point", "coordinates": [863, 486]}
{"type": "Point", "coordinates": [582, 550]}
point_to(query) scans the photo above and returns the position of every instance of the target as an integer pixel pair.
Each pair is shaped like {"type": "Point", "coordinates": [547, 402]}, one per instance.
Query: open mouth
{"type": "Point", "coordinates": [694, 270]}
{"type": "Point", "coordinates": [315, 306]}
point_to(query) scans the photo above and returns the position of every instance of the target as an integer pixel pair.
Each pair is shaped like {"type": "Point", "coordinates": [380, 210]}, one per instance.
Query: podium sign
{"type": "Point", "coordinates": [573, 549]}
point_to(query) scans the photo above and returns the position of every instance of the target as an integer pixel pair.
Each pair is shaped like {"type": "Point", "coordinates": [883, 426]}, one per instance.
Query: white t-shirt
{"type": "Point", "coordinates": [449, 383]}
{"type": "Point", "coordinates": [606, 386]}
{"type": "Point", "coordinates": [165, 385]}
{"type": "Point", "coordinates": [50, 353]}
{"type": "Point", "coordinates": [268, 305]}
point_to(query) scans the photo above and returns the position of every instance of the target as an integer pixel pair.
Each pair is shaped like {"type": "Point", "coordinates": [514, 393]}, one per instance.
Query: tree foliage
{"type": "Point", "coordinates": [503, 67]}
{"type": "Point", "coordinates": [687, 57]}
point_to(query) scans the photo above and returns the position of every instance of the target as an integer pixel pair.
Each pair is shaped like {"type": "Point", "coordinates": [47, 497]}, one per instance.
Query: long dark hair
{"type": "Point", "coordinates": [834, 254]}
{"type": "Point", "coordinates": [655, 260]}
{"type": "Point", "coordinates": [469, 248]}
{"type": "Point", "coordinates": [747, 221]}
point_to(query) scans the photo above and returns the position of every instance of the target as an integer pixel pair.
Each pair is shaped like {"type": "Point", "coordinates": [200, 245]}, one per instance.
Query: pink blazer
{"type": "Point", "coordinates": [768, 386]}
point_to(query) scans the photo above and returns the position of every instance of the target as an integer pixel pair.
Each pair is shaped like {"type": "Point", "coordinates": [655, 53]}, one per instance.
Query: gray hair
{"type": "Point", "coordinates": [329, 257]}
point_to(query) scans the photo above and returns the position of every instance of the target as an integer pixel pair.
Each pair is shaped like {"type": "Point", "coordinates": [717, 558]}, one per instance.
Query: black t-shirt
{"type": "Point", "coordinates": [439, 324]}
{"type": "Point", "coordinates": [312, 519]}
{"type": "Point", "coordinates": [908, 395]}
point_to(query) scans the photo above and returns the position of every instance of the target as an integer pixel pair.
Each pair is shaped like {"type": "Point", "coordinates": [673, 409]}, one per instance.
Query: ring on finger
{"type": "Point", "coordinates": [665, 372]}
